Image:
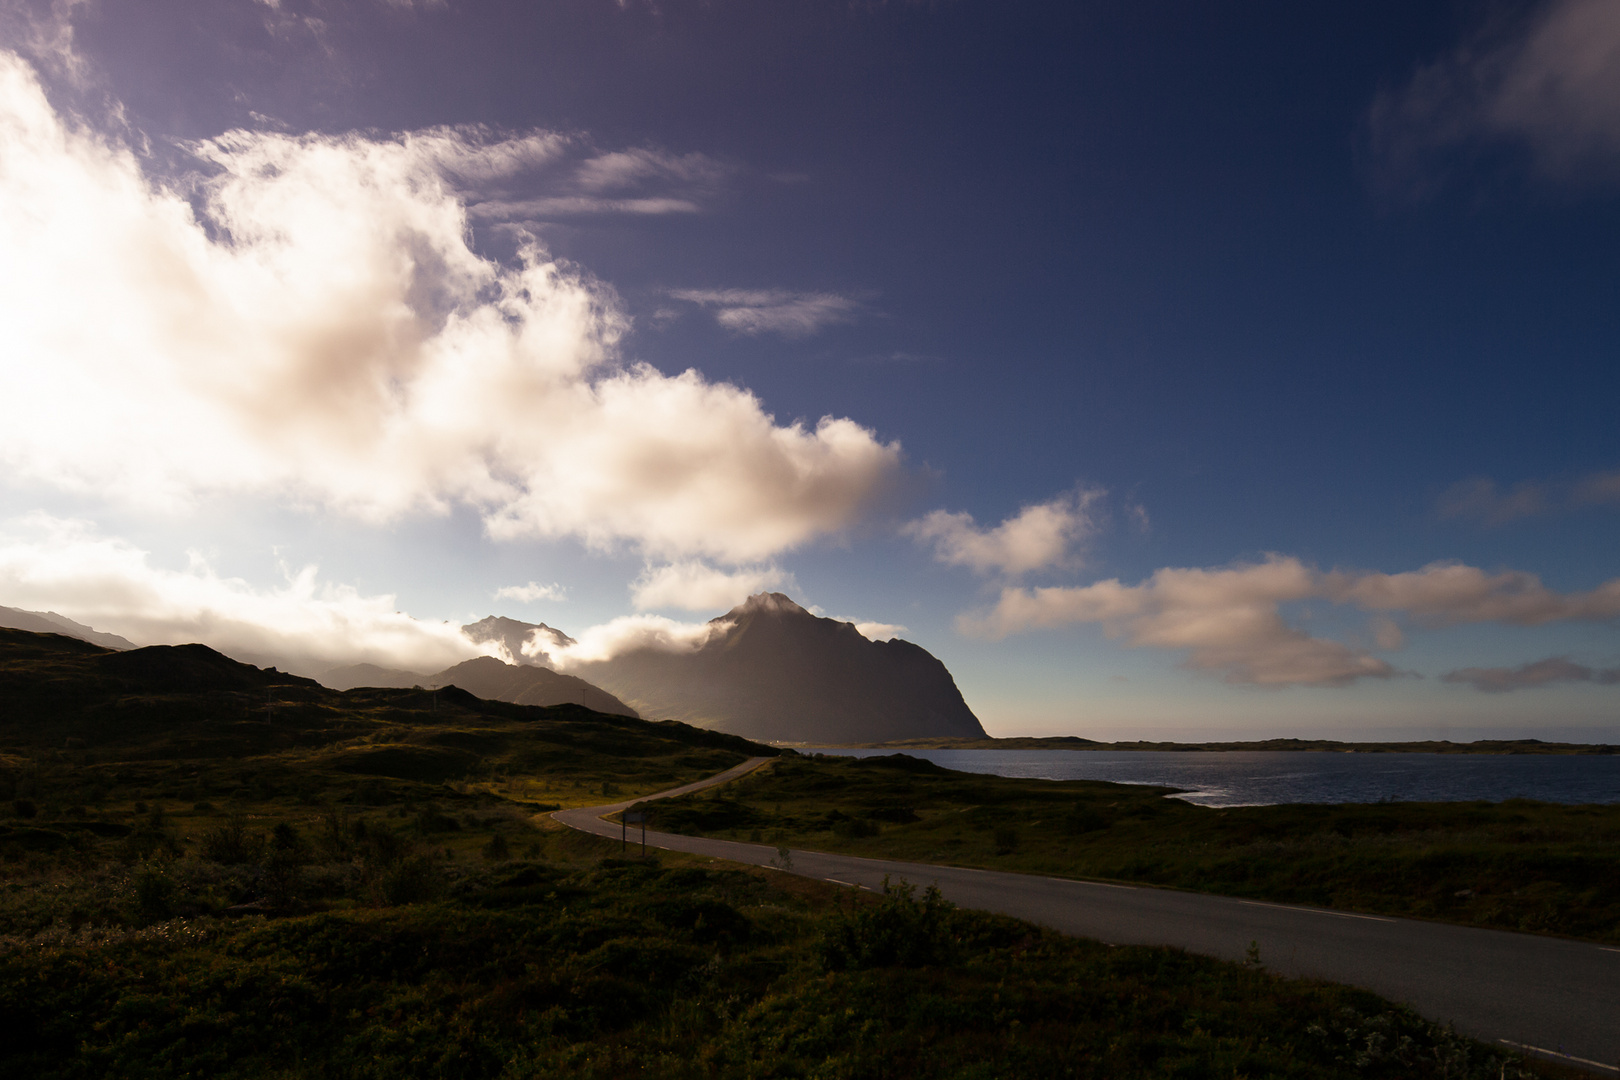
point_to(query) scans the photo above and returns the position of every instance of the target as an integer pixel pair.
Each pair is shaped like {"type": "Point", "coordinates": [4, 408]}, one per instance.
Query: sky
{"type": "Point", "coordinates": [1167, 370]}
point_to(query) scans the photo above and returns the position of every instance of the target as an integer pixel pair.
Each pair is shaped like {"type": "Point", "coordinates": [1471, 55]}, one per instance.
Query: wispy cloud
{"type": "Point", "coordinates": [1038, 537]}
{"type": "Point", "coordinates": [1540, 674]}
{"type": "Point", "coordinates": [531, 593]}
{"type": "Point", "coordinates": [1481, 499]}
{"type": "Point", "coordinates": [1549, 83]}
{"type": "Point", "coordinates": [773, 311]}
{"type": "Point", "coordinates": [1230, 620]}
{"type": "Point", "coordinates": [693, 585]}
{"type": "Point", "coordinates": [314, 327]}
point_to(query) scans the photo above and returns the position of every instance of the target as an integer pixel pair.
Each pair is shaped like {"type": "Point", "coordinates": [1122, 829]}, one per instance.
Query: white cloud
{"type": "Point", "coordinates": [1552, 85]}
{"type": "Point", "coordinates": [576, 205]}
{"type": "Point", "coordinates": [317, 329]}
{"type": "Point", "coordinates": [775, 311]}
{"type": "Point", "coordinates": [305, 626]}
{"type": "Point", "coordinates": [877, 631]}
{"type": "Point", "coordinates": [1230, 620]}
{"type": "Point", "coordinates": [531, 593]}
{"type": "Point", "coordinates": [1038, 537]}
{"type": "Point", "coordinates": [695, 586]}
{"type": "Point", "coordinates": [630, 632]}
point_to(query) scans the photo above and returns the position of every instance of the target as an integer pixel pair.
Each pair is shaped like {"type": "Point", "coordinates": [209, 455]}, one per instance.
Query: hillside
{"type": "Point", "coordinates": [49, 622]}
{"type": "Point", "coordinates": [777, 672]}
{"type": "Point", "coordinates": [487, 677]}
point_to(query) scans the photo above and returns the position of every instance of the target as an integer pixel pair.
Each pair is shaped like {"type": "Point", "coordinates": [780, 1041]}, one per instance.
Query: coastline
{"type": "Point", "coordinates": [1072, 742]}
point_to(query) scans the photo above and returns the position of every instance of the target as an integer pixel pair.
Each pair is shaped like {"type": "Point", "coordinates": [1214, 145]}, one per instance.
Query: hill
{"type": "Point", "coordinates": [487, 677]}
{"type": "Point", "coordinates": [777, 672]}
{"type": "Point", "coordinates": [49, 622]}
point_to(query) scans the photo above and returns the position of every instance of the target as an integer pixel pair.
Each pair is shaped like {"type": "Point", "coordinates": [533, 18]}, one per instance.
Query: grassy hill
{"type": "Point", "coordinates": [211, 870]}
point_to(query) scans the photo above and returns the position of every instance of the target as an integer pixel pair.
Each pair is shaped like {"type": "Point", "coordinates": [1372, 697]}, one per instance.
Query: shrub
{"type": "Point", "coordinates": [1006, 838]}
{"type": "Point", "coordinates": [497, 849]}
{"type": "Point", "coordinates": [232, 843]}
{"type": "Point", "coordinates": [24, 808]}
{"type": "Point", "coordinates": [898, 931]}
{"type": "Point", "coordinates": [412, 881]}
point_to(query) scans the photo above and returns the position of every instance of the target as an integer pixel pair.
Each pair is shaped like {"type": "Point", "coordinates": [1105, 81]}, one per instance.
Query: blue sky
{"type": "Point", "coordinates": [1190, 372]}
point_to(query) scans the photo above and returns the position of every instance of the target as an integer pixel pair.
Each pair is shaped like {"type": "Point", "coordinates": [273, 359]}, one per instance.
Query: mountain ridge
{"type": "Point", "coordinates": [774, 671]}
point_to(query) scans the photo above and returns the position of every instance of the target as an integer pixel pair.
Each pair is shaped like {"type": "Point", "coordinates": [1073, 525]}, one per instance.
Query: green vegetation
{"type": "Point", "coordinates": [587, 966]}
{"type": "Point", "coordinates": [1516, 865]}
{"type": "Point", "coordinates": [261, 877]}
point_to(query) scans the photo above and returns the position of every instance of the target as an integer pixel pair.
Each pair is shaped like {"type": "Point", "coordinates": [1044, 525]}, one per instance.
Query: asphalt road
{"type": "Point", "coordinates": [1547, 994]}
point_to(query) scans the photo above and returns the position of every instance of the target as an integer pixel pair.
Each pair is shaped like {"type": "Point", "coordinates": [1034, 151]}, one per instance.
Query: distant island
{"type": "Point", "coordinates": [1072, 742]}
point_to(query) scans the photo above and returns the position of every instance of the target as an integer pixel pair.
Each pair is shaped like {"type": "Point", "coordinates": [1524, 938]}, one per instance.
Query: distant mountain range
{"type": "Point", "coordinates": [772, 671]}
{"type": "Point", "coordinates": [776, 672]}
{"type": "Point", "coordinates": [49, 622]}
{"type": "Point", "coordinates": [490, 679]}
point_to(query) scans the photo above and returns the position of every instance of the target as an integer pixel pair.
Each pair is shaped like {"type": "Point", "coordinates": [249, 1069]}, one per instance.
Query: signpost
{"type": "Point", "coordinates": [633, 817]}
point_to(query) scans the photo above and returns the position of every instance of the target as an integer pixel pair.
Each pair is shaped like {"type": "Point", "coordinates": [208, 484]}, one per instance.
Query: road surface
{"type": "Point", "coordinates": [1538, 993]}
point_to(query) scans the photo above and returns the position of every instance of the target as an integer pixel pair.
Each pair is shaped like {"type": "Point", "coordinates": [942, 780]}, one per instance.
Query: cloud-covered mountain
{"type": "Point", "coordinates": [49, 622]}
{"type": "Point", "coordinates": [515, 635]}
{"type": "Point", "coordinates": [773, 671]}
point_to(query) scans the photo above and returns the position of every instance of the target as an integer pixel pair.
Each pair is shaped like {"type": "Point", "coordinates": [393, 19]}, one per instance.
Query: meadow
{"type": "Point", "coordinates": [207, 870]}
{"type": "Point", "coordinates": [1535, 867]}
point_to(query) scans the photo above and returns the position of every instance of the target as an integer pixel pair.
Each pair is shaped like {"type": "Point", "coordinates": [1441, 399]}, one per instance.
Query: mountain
{"type": "Point", "coordinates": [514, 635]}
{"type": "Point", "coordinates": [773, 671]}
{"type": "Point", "coordinates": [489, 678]}
{"type": "Point", "coordinates": [49, 622]}
{"type": "Point", "coordinates": [353, 675]}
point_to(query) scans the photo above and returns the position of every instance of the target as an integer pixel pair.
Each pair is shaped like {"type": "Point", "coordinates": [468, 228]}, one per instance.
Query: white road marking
{"type": "Point", "coordinates": [835, 881]}
{"type": "Point", "coordinates": [1605, 948]}
{"type": "Point", "coordinates": [1317, 911]}
{"type": "Point", "coordinates": [1560, 1056]}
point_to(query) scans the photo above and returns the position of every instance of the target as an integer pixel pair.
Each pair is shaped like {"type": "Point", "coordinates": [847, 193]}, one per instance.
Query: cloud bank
{"type": "Point", "coordinates": [305, 626]}
{"type": "Point", "coordinates": [306, 319]}
{"type": "Point", "coordinates": [1038, 537]}
{"type": "Point", "coordinates": [1541, 673]}
{"type": "Point", "coordinates": [1229, 621]}
{"type": "Point", "coordinates": [531, 593]}
{"type": "Point", "coordinates": [1480, 499]}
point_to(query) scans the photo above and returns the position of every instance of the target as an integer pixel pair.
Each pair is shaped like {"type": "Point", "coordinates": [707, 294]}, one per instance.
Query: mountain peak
{"type": "Point", "coordinates": [774, 603]}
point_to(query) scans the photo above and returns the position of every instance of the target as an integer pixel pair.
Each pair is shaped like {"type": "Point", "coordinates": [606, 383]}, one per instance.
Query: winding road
{"type": "Point", "coordinates": [1545, 995]}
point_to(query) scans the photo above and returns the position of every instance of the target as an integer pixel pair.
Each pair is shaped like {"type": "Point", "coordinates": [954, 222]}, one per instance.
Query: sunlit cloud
{"type": "Point", "coordinates": [773, 311]}
{"type": "Point", "coordinates": [629, 633]}
{"type": "Point", "coordinates": [1230, 621]}
{"type": "Point", "coordinates": [532, 593]}
{"type": "Point", "coordinates": [306, 321]}
{"type": "Point", "coordinates": [1481, 499]}
{"type": "Point", "coordinates": [693, 585]}
{"type": "Point", "coordinates": [304, 625]}
{"type": "Point", "coordinates": [1532, 676]}
{"type": "Point", "coordinates": [1038, 537]}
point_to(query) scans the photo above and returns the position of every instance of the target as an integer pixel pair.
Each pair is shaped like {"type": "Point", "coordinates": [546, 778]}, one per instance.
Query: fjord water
{"type": "Point", "coordinates": [1266, 777]}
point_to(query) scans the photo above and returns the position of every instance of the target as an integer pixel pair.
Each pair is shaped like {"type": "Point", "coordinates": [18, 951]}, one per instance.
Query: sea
{"type": "Point", "coordinates": [1269, 777]}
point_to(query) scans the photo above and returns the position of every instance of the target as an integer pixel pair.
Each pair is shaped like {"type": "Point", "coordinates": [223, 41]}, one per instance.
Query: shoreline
{"type": "Point", "coordinates": [1073, 742]}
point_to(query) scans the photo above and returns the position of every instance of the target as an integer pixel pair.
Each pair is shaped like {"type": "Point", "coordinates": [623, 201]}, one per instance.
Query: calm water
{"type": "Point", "coordinates": [1263, 777]}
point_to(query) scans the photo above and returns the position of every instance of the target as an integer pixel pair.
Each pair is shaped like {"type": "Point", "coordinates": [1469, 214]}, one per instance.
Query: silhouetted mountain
{"type": "Point", "coordinates": [778, 672]}
{"type": "Point", "coordinates": [487, 677]}
{"type": "Point", "coordinates": [49, 622]}
{"type": "Point", "coordinates": [353, 675]}
{"type": "Point", "coordinates": [514, 635]}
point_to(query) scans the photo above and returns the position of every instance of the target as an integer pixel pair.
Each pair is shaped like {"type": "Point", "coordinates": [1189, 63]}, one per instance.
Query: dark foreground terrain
{"type": "Point", "coordinates": [211, 870]}
{"type": "Point", "coordinates": [1536, 867]}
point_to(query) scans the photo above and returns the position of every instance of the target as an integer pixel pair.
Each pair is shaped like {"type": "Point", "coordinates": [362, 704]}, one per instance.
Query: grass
{"type": "Point", "coordinates": [1518, 865]}
{"type": "Point", "coordinates": [583, 965]}
{"type": "Point", "coordinates": [263, 878]}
